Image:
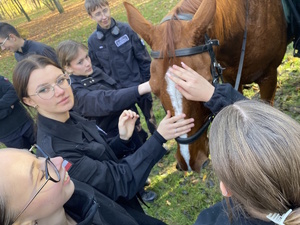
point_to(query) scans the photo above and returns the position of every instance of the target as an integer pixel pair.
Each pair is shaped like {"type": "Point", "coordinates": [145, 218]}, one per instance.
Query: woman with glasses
{"type": "Point", "coordinates": [41, 84]}
{"type": "Point", "coordinates": [39, 191]}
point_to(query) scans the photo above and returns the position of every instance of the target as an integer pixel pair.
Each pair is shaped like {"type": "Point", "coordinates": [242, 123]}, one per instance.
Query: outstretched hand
{"type": "Point", "coordinates": [172, 127]}
{"type": "Point", "coordinates": [127, 123]}
{"type": "Point", "coordinates": [191, 84]}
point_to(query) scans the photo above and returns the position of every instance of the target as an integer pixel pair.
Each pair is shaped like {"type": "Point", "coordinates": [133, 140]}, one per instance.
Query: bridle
{"type": "Point", "coordinates": [215, 68]}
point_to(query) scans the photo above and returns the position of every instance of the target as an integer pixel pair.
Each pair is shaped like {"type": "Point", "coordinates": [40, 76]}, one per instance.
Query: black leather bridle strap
{"type": "Point", "coordinates": [196, 135]}
{"type": "Point", "coordinates": [187, 51]}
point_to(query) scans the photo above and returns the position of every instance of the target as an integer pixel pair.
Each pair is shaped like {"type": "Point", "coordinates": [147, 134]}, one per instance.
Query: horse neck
{"type": "Point", "coordinates": [229, 19]}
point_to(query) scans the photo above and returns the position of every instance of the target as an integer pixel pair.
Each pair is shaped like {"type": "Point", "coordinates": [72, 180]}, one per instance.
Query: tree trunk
{"type": "Point", "coordinates": [4, 11]}
{"type": "Point", "coordinates": [16, 8]}
{"type": "Point", "coordinates": [18, 4]}
{"type": "Point", "coordinates": [36, 4]}
{"type": "Point", "coordinates": [49, 4]}
{"type": "Point", "coordinates": [10, 7]}
{"type": "Point", "coordinates": [58, 6]}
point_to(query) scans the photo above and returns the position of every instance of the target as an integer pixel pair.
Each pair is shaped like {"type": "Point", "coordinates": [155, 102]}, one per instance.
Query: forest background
{"type": "Point", "coordinates": [181, 196]}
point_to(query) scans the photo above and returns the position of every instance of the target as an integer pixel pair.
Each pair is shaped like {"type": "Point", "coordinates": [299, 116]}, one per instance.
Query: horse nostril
{"type": "Point", "coordinates": [205, 164]}
{"type": "Point", "coordinates": [178, 167]}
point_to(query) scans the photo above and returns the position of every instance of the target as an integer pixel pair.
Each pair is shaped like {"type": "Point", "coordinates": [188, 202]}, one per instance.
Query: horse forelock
{"type": "Point", "coordinates": [173, 27]}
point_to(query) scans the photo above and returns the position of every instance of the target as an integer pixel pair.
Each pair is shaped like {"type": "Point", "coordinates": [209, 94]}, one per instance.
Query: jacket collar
{"type": "Point", "coordinates": [98, 76]}
{"type": "Point", "coordinates": [62, 130]}
{"type": "Point", "coordinates": [25, 47]}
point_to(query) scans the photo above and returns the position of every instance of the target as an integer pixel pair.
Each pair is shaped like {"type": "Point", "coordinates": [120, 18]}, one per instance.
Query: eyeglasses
{"type": "Point", "coordinates": [51, 173]}
{"type": "Point", "coordinates": [4, 42]}
{"type": "Point", "coordinates": [47, 91]}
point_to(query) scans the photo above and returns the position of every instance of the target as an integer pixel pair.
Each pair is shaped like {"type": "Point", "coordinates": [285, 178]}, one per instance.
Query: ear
{"type": "Point", "coordinates": [28, 101]}
{"type": "Point", "coordinates": [68, 69]}
{"type": "Point", "coordinates": [225, 191]}
{"type": "Point", "coordinates": [203, 17]}
{"type": "Point", "coordinates": [13, 37]}
{"type": "Point", "coordinates": [138, 23]}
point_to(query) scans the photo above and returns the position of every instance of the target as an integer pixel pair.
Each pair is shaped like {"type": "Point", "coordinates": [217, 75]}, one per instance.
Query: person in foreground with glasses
{"type": "Point", "coordinates": [255, 152]}
{"type": "Point", "coordinates": [41, 84]}
{"type": "Point", "coordinates": [38, 190]}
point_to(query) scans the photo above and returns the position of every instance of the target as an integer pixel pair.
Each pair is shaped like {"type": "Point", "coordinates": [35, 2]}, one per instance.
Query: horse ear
{"type": "Point", "coordinates": [138, 23]}
{"type": "Point", "coordinates": [203, 17]}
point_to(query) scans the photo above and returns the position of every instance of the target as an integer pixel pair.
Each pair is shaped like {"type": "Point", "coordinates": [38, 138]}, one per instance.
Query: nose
{"type": "Point", "coordinates": [57, 161]}
{"type": "Point", "coordinates": [58, 90]}
{"type": "Point", "coordinates": [87, 62]}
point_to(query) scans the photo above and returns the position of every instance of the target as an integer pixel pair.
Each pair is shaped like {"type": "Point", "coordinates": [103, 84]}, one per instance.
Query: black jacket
{"type": "Point", "coordinates": [223, 96]}
{"type": "Point", "coordinates": [36, 48]}
{"type": "Point", "coordinates": [95, 163]}
{"type": "Point", "coordinates": [96, 98]}
{"type": "Point", "coordinates": [218, 215]}
{"type": "Point", "coordinates": [11, 118]}
{"type": "Point", "coordinates": [88, 206]}
{"type": "Point", "coordinates": [124, 56]}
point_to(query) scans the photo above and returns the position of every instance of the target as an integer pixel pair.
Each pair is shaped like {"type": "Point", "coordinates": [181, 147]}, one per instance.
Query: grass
{"type": "Point", "coordinates": [181, 196]}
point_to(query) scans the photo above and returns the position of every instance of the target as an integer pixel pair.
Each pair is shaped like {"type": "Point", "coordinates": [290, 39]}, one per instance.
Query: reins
{"type": "Point", "coordinates": [239, 74]}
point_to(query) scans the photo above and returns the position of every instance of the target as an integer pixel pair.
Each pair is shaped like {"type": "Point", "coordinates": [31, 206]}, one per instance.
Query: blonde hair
{"type": "Point", "coordinates": [255, 152]}
{"type": "Point", "coordinates": [67, 51]}
{"type": "Point", "coordinates": [92, 5]}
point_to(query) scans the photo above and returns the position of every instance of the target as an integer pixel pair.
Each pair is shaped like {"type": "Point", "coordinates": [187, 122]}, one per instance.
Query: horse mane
{"type": "Point", "coordinates": [228, 24]}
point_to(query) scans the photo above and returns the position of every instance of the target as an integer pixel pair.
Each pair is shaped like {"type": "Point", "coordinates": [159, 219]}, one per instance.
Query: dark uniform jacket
{"type": "Point", "coordinates": [223, 96]}
{"type": "Point", "coordinates": [88, 206]}
{"type": "Point", "coordinates": [10, 118]}
{"type": "Point", "coordinates": [95, 163]}
{"type": "Point", "coordinates": [218, 215]}
{"type": "Point", "coordinates": [124, 56]}
{"type": "Point", "coordinates": [36, 48]}
{"type": "Point", "coordinates": [96, 98]}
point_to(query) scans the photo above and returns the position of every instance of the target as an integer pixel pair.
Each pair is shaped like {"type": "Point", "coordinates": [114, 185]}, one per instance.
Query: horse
{"type": "Point", "coordinates": [197, 24]}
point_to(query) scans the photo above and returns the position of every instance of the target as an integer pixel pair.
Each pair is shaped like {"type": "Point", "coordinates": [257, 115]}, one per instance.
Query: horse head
{"type": "Point", "coordinates": [184, 27]}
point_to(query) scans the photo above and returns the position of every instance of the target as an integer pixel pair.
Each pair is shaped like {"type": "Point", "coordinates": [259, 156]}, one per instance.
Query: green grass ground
{"type": "Point", "coordinates": [181, 196]}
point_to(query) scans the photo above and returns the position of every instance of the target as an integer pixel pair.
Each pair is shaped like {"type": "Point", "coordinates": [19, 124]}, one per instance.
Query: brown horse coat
{"type": "Point", "coordinates": [224, 20]}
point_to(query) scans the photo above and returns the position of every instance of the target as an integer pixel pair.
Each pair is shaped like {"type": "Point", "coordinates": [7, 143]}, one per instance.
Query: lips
{"type": "Point", "coordinates": [89, 70]}
{"type": "Point", "coordinates": [66, 176]}
{"type": "Point", "coordinates": [63, 100]}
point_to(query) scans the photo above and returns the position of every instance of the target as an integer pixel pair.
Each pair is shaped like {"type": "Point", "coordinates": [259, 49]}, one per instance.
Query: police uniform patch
{"type": "Point", "coordinates": [122, 40]}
